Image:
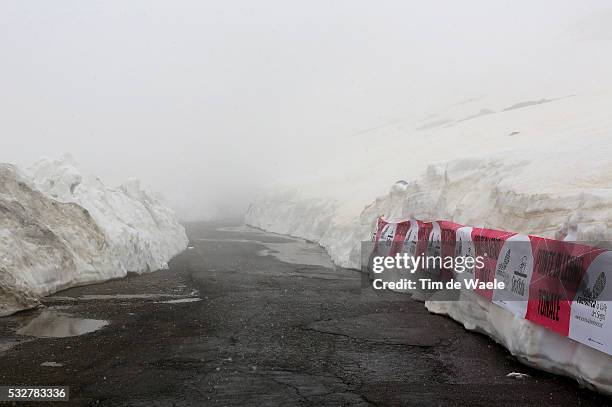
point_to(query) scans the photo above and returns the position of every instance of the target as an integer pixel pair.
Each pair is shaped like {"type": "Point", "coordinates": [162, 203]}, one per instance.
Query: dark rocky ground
{"type": "Point", "coordinates": [267, 332]}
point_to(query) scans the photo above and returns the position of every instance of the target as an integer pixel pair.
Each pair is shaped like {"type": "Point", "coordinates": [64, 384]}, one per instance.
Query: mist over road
{"type": "Point", "coordinates": [246, 317]}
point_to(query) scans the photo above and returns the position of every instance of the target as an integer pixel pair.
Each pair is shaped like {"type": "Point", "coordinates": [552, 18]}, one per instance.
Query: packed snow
{"type": "Point", "coordinates": [59, 228]}
{"type": "Point", "coordinates": [538, 167]}
{"type": "Point", "coordinates": [143, 234]}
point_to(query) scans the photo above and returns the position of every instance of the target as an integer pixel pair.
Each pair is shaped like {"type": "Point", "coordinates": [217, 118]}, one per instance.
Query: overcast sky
{"type": "Point", "coordinates": [208, 100]}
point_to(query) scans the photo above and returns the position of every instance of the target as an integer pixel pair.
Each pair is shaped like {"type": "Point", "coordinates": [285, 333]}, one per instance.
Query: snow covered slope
{"type": "Point", "coordinates": [72, 232]}
{"type": "Point", "coordinates": [142, 233]}
{"type": "Point", "coordinates": [540, 167]}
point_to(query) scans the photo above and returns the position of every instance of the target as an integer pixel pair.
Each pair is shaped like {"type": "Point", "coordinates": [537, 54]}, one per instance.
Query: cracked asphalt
{"type": "Point", "coordinates": [276, 325]}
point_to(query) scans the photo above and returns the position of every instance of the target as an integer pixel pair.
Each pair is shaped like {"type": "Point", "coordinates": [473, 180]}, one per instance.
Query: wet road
{"type": "Point", "coordinates": [247, 318]}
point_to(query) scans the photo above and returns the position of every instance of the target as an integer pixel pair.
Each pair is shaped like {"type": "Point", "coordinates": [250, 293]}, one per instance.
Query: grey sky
{"type": "Point", "coordinates": [207, 100]}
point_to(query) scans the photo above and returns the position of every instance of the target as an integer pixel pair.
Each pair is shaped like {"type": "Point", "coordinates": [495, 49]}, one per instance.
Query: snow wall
{"type": "Point", "coordinates": [60, 229]}
{"type": "Point", "coordinates": [546, 173]}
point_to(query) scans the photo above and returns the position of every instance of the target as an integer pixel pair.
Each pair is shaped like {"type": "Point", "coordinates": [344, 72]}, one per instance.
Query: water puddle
{"type": "Point", "coordinates": [289, 250]}
{"type": "Point", "coordinates": [242, 229]}
{"type": "Point", "coordinates": [219, 239]}
{"type": "Point", "coordinates": [52, 324]}
{"type": "Point", "coordinates": [181, 301]}
{"type": "Point", "coordinates": [108, 297]}
{"type": "Point", "coordinates": [298, 252]}
{"type": "Point", "coordinates": [51, 364]}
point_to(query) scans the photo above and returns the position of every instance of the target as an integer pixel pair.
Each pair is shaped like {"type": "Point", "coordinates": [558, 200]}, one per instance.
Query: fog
{"type": "Point", "coordinates": [207, 101]}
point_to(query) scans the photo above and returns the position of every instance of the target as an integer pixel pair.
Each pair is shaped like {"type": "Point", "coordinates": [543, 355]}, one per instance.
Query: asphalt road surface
{"type": "Point", "coordinates": [248, 318]}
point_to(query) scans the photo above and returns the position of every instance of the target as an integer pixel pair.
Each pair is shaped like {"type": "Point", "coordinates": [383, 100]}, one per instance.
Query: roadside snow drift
{"type": "Point", "coordinates": [60, 229]}
{"type": "Point", "coordinates": [540, 168]}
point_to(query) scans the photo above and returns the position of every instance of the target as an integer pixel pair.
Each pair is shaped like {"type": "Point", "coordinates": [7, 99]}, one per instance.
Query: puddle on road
{"type": "Point", "coordinates": [208, 239]}
{"type": "Point", "coordinates": [298, 252]}
{"type": "Point", "coordinates": [52, 324]}
{"type": "Point", "coordinates": [109, 297]}
{"type": "Point", "coordinates": [180, 301]}
{"type": "Point", "coordinates": [242, 229]}
{"type": "Point", "coordinates": [291, 250]}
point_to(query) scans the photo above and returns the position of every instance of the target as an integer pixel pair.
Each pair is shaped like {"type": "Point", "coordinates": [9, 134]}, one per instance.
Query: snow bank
{"type": "Point", "coordinates": [542, 169]}
{"type": "Point", "coordinates": [60, 229]}
{"type": "Point", "coordinates": [142, 233]}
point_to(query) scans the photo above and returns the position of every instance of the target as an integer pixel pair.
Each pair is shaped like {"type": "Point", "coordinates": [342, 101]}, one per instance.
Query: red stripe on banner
{"type": "Point", "coordinates": [398, 240]}
{"type": "Point", "coordinates": [557, 272]}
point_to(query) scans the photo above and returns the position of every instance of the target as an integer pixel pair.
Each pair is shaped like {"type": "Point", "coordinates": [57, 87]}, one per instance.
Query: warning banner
{"type": "Point", "coordinates": [488, 244]}
{"type": "Point", "coordinates": [562, 286]}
